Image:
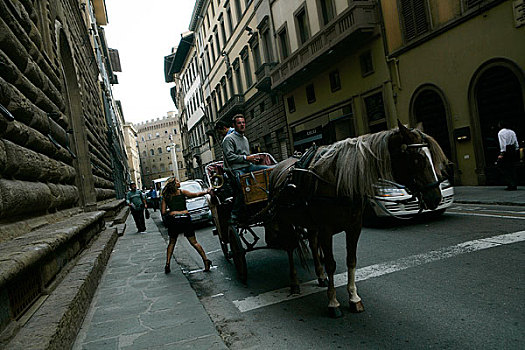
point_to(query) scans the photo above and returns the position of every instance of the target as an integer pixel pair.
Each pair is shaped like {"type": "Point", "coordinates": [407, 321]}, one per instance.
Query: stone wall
{"type": "Point", "coordinates": [54, 154]}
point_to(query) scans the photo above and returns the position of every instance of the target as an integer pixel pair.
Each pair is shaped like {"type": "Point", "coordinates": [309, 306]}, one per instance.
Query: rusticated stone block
{"type": "Point", "coordinates": [25, 164]}
{"type": "Point", "coordinates": [63, 196]}
{"type": "Point", "coordinates": [3, 156]}
{"type": "Point", "coordinates": [23, 197]}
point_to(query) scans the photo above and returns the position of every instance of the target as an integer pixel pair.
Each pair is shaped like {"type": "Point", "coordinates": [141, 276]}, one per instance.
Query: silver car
{"type": "Point", "coordinates": [197, 207]}
{"type": "Point", "coordinates": [393, 200]}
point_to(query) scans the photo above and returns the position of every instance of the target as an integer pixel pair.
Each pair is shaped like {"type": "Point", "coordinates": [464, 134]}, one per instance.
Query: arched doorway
{"type": "Point", "coordinates": [429, 109]}
{"type": "Point", "coordinates": [84, 177]}
{"type": "Point", "coordinates": [498, 96]}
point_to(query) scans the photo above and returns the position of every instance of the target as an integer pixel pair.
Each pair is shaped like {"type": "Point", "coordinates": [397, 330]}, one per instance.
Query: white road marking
{"type": "Point", "coordinates": [214, 251]}
{"type": "Point", "coordinates": [488, 215]}
{"type": "Point", "coordinates": [377, 270]}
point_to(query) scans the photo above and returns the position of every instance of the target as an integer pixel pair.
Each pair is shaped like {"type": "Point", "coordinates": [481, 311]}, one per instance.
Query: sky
{"type": "Point", "coordinates": [144, 32]}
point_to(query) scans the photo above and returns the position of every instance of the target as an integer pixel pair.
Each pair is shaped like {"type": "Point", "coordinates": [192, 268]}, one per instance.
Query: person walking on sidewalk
{"type": "Point", "coordinates": [508, 157]}
{"type": "Point", "coordinates": [177, 219]}
{"type": "Point", "coordinates": [137, 205]}
{"type": "Point", "coordinates": [154, 198]}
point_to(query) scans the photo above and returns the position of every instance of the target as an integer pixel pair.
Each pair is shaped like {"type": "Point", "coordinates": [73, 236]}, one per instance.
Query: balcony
{"type": "Point", "coordinates": [234, 105]}
{"type": "Point", "coordinates": [263, 75]}
{"type": "Point", "coordinates": [345, 33]}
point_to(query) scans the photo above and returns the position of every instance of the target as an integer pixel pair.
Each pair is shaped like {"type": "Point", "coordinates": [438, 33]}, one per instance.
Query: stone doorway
{"type": "Point", "coordinates": [498, 96]}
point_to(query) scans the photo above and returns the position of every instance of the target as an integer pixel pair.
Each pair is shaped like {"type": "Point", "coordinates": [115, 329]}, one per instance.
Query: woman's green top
{"type": "Point", "coordinates": [176, 202]}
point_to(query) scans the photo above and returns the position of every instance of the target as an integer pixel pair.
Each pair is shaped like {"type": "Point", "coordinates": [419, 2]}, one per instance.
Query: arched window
{"type": "Point", "coordinates": [159, 150]}
{"type": "Point", "coordinates": [144, 153]}
{"type": "Point", "coordinates": [154, 169]}
{"type": "Point", "coordinates": [162, 167]}
{"type": "Point", "coordinates": [152, 152]}
{"type": "Point", "coordinates": [147, 170]}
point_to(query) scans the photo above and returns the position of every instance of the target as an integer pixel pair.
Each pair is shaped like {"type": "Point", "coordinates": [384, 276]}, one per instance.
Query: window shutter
{"type": "Point", "coordinates": [414, 17]}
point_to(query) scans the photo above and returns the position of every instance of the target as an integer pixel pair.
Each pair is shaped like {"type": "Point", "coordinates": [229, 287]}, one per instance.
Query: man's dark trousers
{"type": "Point", "coordinates": [138, 216]}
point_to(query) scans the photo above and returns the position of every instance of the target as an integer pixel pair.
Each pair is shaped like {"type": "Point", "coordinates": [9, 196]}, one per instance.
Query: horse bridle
{"type": "Point", "coordinates": [416, 190]}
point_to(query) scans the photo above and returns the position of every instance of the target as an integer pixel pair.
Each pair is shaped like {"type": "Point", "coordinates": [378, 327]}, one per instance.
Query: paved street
{"type": "Point", "coordinates": [453, 282]}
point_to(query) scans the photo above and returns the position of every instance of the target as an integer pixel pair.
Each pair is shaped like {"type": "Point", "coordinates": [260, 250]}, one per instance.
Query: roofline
{"type": "Point", "coordinates": [194, 16]}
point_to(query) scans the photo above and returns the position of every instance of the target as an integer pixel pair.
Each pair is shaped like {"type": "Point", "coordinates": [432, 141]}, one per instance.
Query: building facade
{"type": "Point", "coordinates": [160, 149]}
{"type": "Point", "coordinates": [459, 68]}
{"type": "Point", "coordinates": [132, 151]}
{"type": "Point", "coordinates": [234, 63]}
{"type": "Point", "coordinates": [52, 155]}
{"type": "Point", "coordinates": [183, 69]}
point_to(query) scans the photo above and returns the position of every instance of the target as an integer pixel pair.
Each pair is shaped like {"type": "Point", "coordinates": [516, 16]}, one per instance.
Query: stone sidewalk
{"type": "Point", "coordinates": [489, 195]}
{"type": "Point", "coordinates": [137, 306]}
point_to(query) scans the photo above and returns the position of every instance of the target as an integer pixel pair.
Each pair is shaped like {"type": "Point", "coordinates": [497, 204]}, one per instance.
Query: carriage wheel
{"type": "Point", "coordinates": [238, 254]}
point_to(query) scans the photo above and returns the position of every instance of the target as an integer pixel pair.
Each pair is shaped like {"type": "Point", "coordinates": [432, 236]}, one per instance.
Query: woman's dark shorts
{"type": "Point", "coordinates": [179, 224]}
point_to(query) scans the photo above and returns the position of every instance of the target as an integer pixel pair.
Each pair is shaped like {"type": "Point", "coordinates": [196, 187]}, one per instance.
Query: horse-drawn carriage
{"type": "Point", "coordinates": [322, 194]}
{"type": "Point", "coordinates": [238, 238]}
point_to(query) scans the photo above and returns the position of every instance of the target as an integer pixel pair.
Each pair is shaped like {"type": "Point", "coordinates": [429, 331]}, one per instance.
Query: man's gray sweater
{"type": "Point", "coordinates": [235, 146]}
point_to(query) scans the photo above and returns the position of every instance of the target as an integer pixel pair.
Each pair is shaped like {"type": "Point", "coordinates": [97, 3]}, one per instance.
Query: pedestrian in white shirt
{"type": "Point", "coordinates": [508, 156]}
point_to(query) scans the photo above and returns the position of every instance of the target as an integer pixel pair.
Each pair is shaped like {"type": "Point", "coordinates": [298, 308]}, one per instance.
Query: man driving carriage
{"type": "Point", "coordinates": [238, 160]}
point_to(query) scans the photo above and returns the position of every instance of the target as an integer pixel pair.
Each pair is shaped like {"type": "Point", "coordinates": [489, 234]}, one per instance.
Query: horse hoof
{"type": "Point", "coordinates": [294, 290]}
{"type": "Point", "coordinates": [335, 312]}
{"type": "Point", "coordinates": [357, 307]}
{"type": "Point", "coordinates": [322, 282]}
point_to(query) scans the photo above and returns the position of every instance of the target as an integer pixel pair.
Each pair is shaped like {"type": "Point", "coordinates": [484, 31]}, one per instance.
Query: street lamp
{"type": "Point", "coordinates": [171, 148]}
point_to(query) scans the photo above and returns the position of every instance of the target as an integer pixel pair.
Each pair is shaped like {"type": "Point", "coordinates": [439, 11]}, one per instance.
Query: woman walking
{"type": "Point", "coordinates": [177, 219]}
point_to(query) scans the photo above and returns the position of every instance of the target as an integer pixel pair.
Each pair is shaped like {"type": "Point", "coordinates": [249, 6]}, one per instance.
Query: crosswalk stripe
{"type": "Point", "coordinates": [377, 270]}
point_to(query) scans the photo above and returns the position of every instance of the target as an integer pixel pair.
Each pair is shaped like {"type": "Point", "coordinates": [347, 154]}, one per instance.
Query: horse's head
{"type": "Point", "coordinates": [414, 165]}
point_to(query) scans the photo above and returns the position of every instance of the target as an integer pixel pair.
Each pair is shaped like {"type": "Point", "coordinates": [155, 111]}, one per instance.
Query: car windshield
{"type": "Point", "coordinates": [191, 187]}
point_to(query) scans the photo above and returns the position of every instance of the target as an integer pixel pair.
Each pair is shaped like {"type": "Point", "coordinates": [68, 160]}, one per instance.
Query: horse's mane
{"type": "Point", "coordinates": [354, 165]}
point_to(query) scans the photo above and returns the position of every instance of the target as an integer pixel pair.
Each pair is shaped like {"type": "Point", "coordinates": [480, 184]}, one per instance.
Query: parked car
{"type": "Point", "coordinates": [393, 200]}
{"type": "Point", "coordinates": [197, 207]}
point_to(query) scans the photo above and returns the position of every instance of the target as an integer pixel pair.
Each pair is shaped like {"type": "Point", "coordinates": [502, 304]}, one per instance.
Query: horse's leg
{"type": "Point", "coordinates": [322, 279]}
{"type": "Point", "coordinates": [352, 236]}
{"type": "Point", "coordinates": [325, 239]}
{"type": "Point", "coordinates": [294, 283]}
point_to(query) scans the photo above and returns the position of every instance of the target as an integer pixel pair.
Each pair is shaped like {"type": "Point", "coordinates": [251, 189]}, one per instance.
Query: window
{"type": "Point", "coordinates": [162, 167]}
{"type": "Point", "coordinates": [238, 11]}
{"type": "Point", "coordinates": [229, 20]}
{"type": "Point", "coordinates": [154, 169]}
{"type": "Point", "coordinates": [301, 23]}
{"type": "Point", "coordinates": [367, 66]}
{"type": "Point", "coordinates": [223, 32]}
{"type": "Point", "coordinates": [256, 55]}
{"type": "Point", "coordinates": [414, 18]}
{"type": "Point", "coordinates": [237, 70]}
{"type": "Point", "coordinates": [291, 104]}
{"type": "Point", "coordinates": [157, 135]}
{"type": "Point", "coordinates": [375, 112]}
{"type": "Point", "coordinates": [283, 41]}
{"type": "Point", "coordinates": [175, 131]}
{"type": "Point", "coordinates": [212, 51]}
{"type": "Point", "coordinates": [247, 68]}
{"type": "Point", "coordinates": [147, 170]}
{"type": "Point", "coordinates": [310, 93]}
{"type": "Point", "coordinates": [335, 81]}
{"type": "Point", "coordinates": [267, 46]}
{"type": "Point", "coordinates": [326, 11]}
{"type": "Point", "coordinates": [144, 153]}
{"type": "Point", "coordinates": [152, 152]}
{"type": "Point", "coordinates": [143, 138]}
{"type": "Point", "coordinates": [149, 136]}
{"type": "Point", "coordinates": [261, 107]}
{"type": "Point", "coordinates": [218, 43]}
{"type": "Point", "coordinates": [159, 150]}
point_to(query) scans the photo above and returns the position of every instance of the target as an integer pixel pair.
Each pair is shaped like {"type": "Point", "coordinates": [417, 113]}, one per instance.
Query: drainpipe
{"type": "Point", "coordinates": [396, 66]}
